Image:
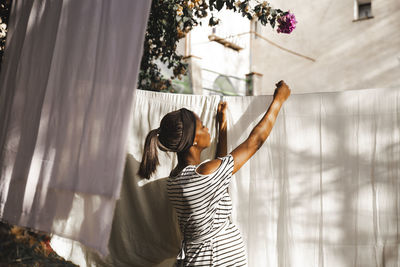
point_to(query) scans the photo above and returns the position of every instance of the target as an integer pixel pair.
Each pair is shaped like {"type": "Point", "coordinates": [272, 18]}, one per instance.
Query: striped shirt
{"type": "Point", "coordinates": [204, 207]}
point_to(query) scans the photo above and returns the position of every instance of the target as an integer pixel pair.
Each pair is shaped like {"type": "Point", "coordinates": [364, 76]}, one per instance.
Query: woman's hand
{"type": "Point", "coordinates": [221, 113]}
{"type": "Point", "coordinates": [282, 91]}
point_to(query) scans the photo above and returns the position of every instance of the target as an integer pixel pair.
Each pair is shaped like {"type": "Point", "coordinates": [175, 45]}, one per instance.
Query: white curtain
{"type": "Point", "coordinates": [324, 190]}
{"type": "Point", "coordinates": [67, 88]}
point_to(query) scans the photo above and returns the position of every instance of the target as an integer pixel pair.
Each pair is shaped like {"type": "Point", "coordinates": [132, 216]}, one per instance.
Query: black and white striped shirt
{"type": "Point", "coordinates": [204, 207]}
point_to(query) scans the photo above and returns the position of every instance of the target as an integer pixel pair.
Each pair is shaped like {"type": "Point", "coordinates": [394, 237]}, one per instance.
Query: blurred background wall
{"type": "Point", "coordinates": [337, 45]}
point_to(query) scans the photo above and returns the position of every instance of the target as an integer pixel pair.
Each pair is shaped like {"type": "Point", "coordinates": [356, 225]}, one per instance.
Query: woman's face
{"type": "Point", "coordinates": [203, 137]}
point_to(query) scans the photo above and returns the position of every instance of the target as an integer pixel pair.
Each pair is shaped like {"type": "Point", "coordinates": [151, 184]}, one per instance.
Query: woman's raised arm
{"type": "Point", "coordinates": [222, 127]}
{"type": "Point", "coordinates": [261, 131]}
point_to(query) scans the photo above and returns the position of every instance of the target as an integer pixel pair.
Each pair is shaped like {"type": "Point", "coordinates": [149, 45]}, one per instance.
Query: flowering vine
{"type": "Point", "coordinates": [287, 23]}
{"type": "Point", "coordinates": [171, 20]}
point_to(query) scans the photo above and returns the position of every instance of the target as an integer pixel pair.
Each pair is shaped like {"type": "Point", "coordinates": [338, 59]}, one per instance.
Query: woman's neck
{"type": "Point", "coordinates": [190, 157]}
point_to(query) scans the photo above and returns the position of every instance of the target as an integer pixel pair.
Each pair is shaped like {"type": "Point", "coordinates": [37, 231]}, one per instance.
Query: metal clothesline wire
{"type": "Point", "coordinates": [267, 40]}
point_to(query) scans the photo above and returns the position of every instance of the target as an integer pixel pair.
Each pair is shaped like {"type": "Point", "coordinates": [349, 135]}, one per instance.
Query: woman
{"type": "Point", "coordinates": [199, 190]}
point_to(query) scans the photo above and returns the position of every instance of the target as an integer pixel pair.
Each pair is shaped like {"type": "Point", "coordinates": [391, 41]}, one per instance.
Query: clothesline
{"type": "Point", "coordinates": [317, 193]}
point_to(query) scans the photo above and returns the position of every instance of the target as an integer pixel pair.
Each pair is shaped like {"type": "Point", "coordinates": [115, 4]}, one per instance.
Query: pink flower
{"type": "Point", "coordinates": [286, 23]}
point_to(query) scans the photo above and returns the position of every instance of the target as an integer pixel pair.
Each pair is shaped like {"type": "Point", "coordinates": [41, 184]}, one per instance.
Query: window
{"type": "Point", "coordinates": [362, 9]}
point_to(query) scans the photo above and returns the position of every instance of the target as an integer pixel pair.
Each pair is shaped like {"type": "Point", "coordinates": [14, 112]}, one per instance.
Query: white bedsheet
{"type": "Point", "coordinates": [322, 191]}
{"type": "Point", "coordinates": [66, 94]}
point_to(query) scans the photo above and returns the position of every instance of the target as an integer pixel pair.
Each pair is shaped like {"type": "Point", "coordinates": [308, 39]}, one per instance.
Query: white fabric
{"type": "Point", "coordinates": [323, 190]}
{"type": "Point", "coordinates": [67, 85]}
{"type": "Point", "coordinates": [145, 230]}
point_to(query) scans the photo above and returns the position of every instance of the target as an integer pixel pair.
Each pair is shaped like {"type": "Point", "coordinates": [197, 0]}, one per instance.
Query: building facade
{"type": "Point", "coordinates": [336, 46]}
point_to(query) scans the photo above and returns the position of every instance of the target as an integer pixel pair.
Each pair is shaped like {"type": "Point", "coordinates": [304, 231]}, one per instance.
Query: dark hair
{"type": "Point", "coordinates": [176, 134]}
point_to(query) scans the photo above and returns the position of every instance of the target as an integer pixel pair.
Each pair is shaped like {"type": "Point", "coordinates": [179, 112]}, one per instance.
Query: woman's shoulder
{"type": "Point", "coordinates": [211, 166]}
{"type": "Point", "coordinates": [206, 168]}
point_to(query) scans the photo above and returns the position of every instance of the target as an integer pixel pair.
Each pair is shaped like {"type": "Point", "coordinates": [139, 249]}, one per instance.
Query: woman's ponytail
{"type": "Point", "coordinates": [150, 156]}
{"type": "Point", "coordinates": [176, 134]}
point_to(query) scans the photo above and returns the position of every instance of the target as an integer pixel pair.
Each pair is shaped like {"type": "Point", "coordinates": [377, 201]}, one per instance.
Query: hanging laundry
{"type": "Point", "coordinates": [66, 90]}
{"type": "Point", "coordinates": [322, 190]}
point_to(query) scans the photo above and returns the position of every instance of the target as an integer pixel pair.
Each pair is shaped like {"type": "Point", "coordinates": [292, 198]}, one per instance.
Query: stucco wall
{"type": "Point", "coordinates": [348, 55]}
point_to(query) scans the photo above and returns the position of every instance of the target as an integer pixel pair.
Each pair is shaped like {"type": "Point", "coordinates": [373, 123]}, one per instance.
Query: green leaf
{"type": "Point", "coordinates": [211, 4]}
{"type": "Point", "coordinates": [272, 22]}
{"type": "Point", "coordinates": [220, 4]}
